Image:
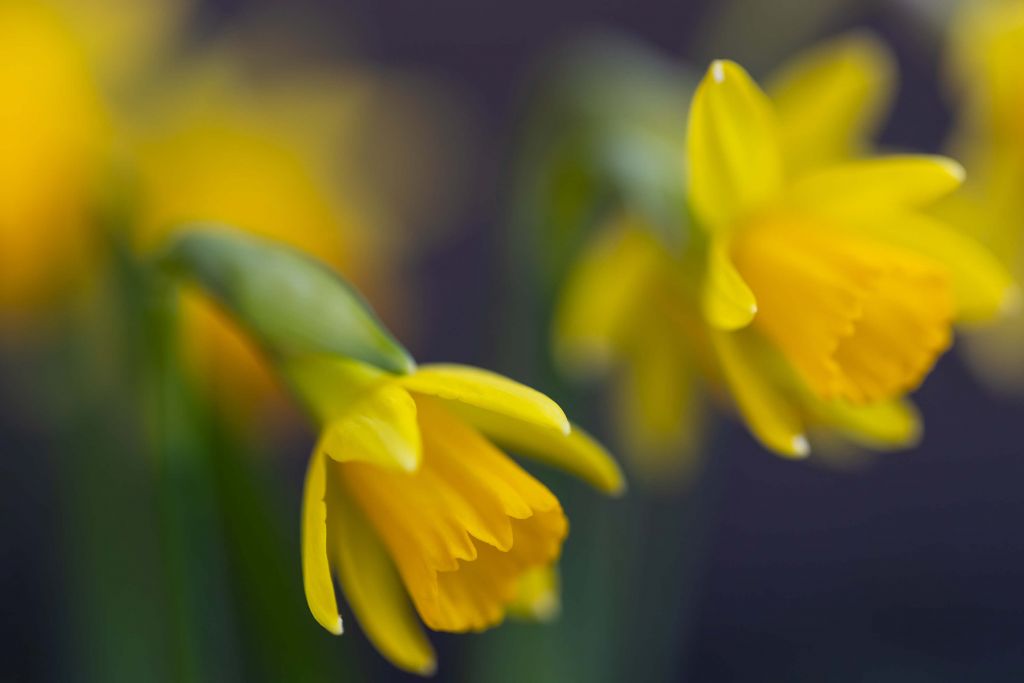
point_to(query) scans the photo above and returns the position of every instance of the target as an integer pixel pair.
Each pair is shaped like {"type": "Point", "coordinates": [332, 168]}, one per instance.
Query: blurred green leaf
{"type": "Point", "coordinates": [604, 136]}
{"type": "Point", "coordinates": [292, 303]}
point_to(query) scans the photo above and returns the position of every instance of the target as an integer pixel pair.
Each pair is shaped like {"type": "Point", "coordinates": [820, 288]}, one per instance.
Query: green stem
{"type": "Point", "coordinates": [191, 526]}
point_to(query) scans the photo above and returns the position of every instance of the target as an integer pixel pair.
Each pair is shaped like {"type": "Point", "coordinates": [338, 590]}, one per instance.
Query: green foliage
{"type": "Point", "coordinates": [290, 302]}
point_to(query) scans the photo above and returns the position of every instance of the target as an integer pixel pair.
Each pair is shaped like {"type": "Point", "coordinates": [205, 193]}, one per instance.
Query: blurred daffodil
{"type": "Point", "coordinates": [54, 132]}
{"type": "Point", "coordinates": [408, 501]}
{"type": "Point", "coordinates": [815, 291]}
{"type": "Point", "coordinates": [266, 160]}
{"type": "Point", "coordinates": [68, 65]}
{"type": "Point", "coordinates": [987, 65]}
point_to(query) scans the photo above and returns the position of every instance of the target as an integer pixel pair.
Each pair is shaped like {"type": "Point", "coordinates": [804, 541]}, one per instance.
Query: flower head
{"type": "Point", "coordinates": [815, 290]}
{"type": "Point", "coordinates": [54, 129]}
{"type": "Point", "coordinates": [456, 524]}
{"type": "Point", "coordinates": [409, 500]}
{"type": "Point", "coordinates": [68, 66]}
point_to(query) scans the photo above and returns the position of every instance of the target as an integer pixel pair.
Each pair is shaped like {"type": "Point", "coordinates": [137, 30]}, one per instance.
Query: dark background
{"type": "Point", "coordinates": [906, 570]}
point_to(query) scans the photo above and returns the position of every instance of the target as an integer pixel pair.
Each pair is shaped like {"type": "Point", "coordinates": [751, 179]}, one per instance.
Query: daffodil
{"type": "Point", "coordinates": [815, 291]}
{"type": "Point", "coordinates": [409, 500]}
{"type": "Point", "coordinates": [67, 67]}
{"type": "Point", "coordinates": [987, 59]}
{"type": "Point", "coordinates": [54, 130]}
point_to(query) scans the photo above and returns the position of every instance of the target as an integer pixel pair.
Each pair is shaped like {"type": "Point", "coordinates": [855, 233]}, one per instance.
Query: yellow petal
{"type": "Point", "coordinates": [487, 391]}
{"type": "Point", "coordinates": [830, 99]}
{"type": "Point", "coordinates": [316, 572]}
{"type": "Point", "coordinates": [374, 590]}
{"type": "Point", "coordinates": [732, 147]}
{"type": "Point", "coordinates": [539, 595]}
{"type": "Point", "coordinates": [986, 60]}
{"type": "Point", "coordinates": [600, 296]}
{"type": "Point", "coordinates": [658, 406]}
{"type": "Point", "coordinates": [892, 181]}
{"type": "Point", "coordinates": [772, 417]}
{"type": "Point", "coordinates": [381, 429]}
{"type": "Point", "coordinates": [576, 452]}
{"type": "Point", "coordinates": [982, 286]}
{"type": "Point", "coordinates": [727, 301]}
{"type": "Point", "coordinates": [879, 426]}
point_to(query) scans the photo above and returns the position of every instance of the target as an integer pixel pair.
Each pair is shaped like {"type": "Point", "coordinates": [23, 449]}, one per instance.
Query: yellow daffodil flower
{"type": "Point", "coordinates": [816, 292]}
{"type": "Point", "coordinates": [54, 129]}
{"type": "Point", "coordinates": [987, 62]}
{"type": "Point", "coordinates": [407, 497]}
{"type": "Point", "coordinates": [67, 65]}
{"type": "Point", "coordinates": [408, 501]}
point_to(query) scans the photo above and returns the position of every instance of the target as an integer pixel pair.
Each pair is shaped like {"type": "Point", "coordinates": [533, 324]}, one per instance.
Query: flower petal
{"type": "Point", "coordinates": [658, 403]}
{"type": "Point", "coordinates": [539, 595]}
{"type": "Point", "coordinates": [732, 146]}
{"type": "Point", "coordinates": [771, 417]}
{"type": "Point", "coordinates": [316, 573]}
{"type": "Point", "coordinates": [576, 452]}
{"type": "Point", "coordinates": [380, 429]}
{"type": "Point", "coordinates": [374, 590]}
{"type": "Point", "coordinates": [879, 426]}
{"type": "Point", "coordinates": [595, 306]}
{"type": "Point", "coordinates": [487, 391]}
{"type": "Point", "coordinates": [982, 287]}
{"type": "Point", "coordinates": [911, 180]}
{"type": "Point", "coordinates": [831, 98]}
{"type": "Point", "coordinates": [728, 303]}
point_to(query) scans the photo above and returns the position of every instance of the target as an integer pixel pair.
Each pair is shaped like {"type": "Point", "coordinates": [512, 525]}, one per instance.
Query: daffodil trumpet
{"type": "Point", "coordinates": [409, 500]}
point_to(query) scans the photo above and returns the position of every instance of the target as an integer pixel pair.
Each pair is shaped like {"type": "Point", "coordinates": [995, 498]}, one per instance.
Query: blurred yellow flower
{"type": "Point", "coordinates": [67, 66]}
{"type": "Point", "coordinates": [415, 510]}
{"type": "Point", "coordinates": [277, 161]}
{"type": "Point", "coordinates": [987, 60]}
{"type": "Point", "coordinates": [195, 139]}
{"type": "Point", "coordinates": [54, 131]}
{"type": "Point", "coordinates": [816, 292]}
{"type": "Point", "coordinates": [210, 151]}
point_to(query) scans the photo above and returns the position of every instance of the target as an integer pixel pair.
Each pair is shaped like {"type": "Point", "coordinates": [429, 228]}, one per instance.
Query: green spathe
{"type": "Point", "coordinates": [292, 303]}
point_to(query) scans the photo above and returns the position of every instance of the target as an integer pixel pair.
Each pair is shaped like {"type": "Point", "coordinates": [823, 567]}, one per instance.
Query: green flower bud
{"type": "Point", "coordinates": [290, 302]}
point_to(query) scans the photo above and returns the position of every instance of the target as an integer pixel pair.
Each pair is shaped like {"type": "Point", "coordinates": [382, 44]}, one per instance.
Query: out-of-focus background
{"type": "Point", "coordinates": [901, 567]}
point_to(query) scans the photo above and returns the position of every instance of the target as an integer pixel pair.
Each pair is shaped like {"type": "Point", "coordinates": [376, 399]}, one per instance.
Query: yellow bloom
{"type": "Point", "coordinates": [67, 64]}
{"type": "Point", "coordinates": [987, 44]}
{"type": "Point", "coordinates": [272, 161]}
{"type": "Point", "coordinates": [413, 508]}
{"type": "Point", "coordinates": [211, 151]}
{"type": "Point", "coordinates": [815, 292]}
{"type": "Point", "coordinates": [54, 131]}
